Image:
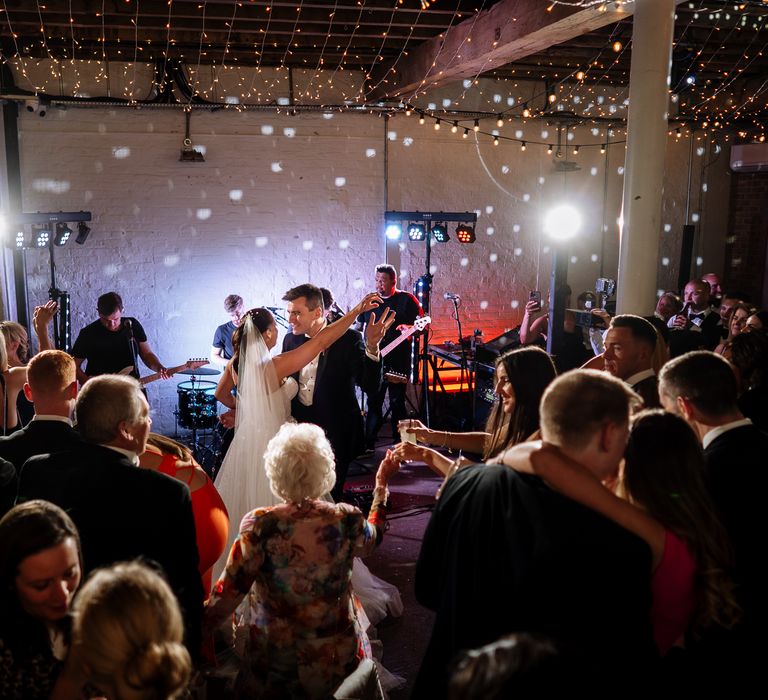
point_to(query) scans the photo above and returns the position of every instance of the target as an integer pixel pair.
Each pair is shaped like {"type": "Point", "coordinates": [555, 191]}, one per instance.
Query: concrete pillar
{"type": "Point", "coordinates": [653, 27]}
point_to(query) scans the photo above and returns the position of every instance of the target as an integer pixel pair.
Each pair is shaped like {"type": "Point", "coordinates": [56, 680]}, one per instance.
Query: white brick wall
{"type": "Point", "coordinates": [282, 200]}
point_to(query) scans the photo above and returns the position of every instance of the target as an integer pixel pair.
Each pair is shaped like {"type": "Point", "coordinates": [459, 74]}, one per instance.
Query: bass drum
{"type": "Point", "coordinates": [197, 405]}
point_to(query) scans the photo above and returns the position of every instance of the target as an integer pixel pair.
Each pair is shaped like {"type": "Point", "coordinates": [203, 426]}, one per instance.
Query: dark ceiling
{"type": "Point", "coordinates": [720, 64]}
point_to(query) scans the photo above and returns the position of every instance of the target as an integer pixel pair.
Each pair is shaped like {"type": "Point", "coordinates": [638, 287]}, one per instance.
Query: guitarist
{"type": "Point", "coordinates": [113, 342]}
{"type": "Point", "coordinates": [407, 309]}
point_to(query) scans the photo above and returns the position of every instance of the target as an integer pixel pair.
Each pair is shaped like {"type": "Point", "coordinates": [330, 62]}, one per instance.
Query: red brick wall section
{"type": "Point", "coordinates": [745, 253]}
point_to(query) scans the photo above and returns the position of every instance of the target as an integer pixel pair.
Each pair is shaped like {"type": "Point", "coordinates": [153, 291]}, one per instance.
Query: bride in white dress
{"type": "Point", "coordinates": [264, 392]}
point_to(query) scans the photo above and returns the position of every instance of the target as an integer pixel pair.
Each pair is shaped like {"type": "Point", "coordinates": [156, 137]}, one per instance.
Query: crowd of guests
{"type": "Point", "coordinates": [605, 531]}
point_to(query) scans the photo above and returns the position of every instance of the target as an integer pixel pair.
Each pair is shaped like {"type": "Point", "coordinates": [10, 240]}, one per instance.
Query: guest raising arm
{"type": "Point", "coordinates": [522, 375]}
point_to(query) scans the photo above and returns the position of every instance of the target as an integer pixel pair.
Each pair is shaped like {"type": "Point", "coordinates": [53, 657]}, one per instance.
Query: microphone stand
{"type": "Point", "coordinates": [464, 366]}
{"type": "Point", "coordinates": [133, 346]}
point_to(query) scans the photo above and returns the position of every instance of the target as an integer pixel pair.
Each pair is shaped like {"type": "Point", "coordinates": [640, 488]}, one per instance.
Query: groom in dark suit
{"type": "Point", "coordinates": [326, 394]}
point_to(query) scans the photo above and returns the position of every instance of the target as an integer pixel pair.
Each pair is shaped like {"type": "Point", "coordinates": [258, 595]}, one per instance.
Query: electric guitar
{"type": "Point", "coordinates": [418, 325]}
{"type": "Point", "coordinates": [191, 363]}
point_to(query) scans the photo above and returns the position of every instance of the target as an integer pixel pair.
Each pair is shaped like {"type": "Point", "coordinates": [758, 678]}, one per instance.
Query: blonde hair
{"type": "Point", "coordinates": [299, 462]}
{"type": "Point", "coordinates": [128, 627]}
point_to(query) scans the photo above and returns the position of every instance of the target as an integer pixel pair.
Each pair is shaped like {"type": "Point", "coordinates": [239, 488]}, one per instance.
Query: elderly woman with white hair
{"type": "Point", "coordinates": [294, 560]}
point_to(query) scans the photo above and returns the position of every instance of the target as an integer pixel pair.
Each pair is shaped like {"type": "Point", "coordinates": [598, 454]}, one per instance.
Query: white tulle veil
{"type": "Point", "coordinates": [261, 409]}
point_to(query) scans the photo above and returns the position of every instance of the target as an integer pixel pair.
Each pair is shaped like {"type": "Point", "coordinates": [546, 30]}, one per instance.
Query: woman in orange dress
{"type": "Point", "coordinates": [211, 519]}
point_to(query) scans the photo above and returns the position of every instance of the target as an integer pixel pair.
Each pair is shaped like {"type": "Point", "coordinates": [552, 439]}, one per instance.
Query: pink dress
{"type": "Point", "coordinates": [672, 587]}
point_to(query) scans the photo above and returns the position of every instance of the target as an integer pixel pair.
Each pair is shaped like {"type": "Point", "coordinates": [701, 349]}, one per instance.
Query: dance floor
{"type": "Point", "coordinates": [412, 494]}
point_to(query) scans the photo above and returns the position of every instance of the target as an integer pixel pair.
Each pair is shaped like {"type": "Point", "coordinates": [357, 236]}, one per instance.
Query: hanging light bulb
{"type": "Point", "coordinates": [455, 127]}
{"type": "Point", "coordinates": [437, 125]}
{"type": "Point", "coordinates": [476, 127]}
{"type": "Point", "coordinates": [526, 112]}
{"type": "Point", "coordinates": [576, 150]}
{"type": "Point", "coordinates": [421, 119]}
{"type": "Point", "coordinates": [465, 134]}
{"type": "Point", "coordinates": [408, 110]}
{"type": "Point", "coordinates": [500, 121]}
{"type": "Point", "coordinates": [602, 148]}
{"type": "Point", "coordinates": [495, 140]}
{"type": "Point", "coordinates": [552, 98]}
{"type": "Point", "coordinates": [617, 46]}
{"type": "Point", "coordinates": [580, 75]}
{"type": "Point", "coordinates": [549, 149]}
{"type": "Point", "coordinates": [522, 146]}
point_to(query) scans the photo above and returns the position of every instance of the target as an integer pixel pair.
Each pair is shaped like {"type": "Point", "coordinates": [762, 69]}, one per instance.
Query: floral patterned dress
{"type": "Point", "coordinates": [294, 561]}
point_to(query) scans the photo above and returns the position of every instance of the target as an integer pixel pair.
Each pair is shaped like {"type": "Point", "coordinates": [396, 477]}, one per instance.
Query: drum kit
{"type": "Point", "coordinates": [197, 410]}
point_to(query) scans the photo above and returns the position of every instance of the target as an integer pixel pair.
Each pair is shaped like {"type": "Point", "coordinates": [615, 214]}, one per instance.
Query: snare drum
{"type": "Point", "coordinates": [197, 405]}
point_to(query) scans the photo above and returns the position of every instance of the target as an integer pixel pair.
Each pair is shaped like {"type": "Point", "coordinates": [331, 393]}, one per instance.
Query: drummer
{"type": "Point", "coordinates": [221, 350]}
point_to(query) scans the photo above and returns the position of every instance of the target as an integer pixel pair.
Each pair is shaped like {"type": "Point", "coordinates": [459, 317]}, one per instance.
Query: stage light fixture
{"type": "Point", "coordinates": [417, 232]}
{"type": "Point", "coordinates": [465, 233]}
{"type": "Point", "coordinates": [394, 232]}
{"type": "Point", "coordinates": [562, 222]}
{"type": "Point", "coordinates": [63, 232]}
{"type": "Point", "coordinates": [19, 239]}
{"type": "Point", "coordinates": [41, 236]}
{"type": "Point", "coordinates": [440, 233]}
{"type": "Point", "coordinates": [82, 233]}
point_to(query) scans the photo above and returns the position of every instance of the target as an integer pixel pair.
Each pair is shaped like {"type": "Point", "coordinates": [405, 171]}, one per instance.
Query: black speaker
{"type": "Point", "coordinates": [484, 395]}
{"type": "Point", "coordinates": [488, 352]}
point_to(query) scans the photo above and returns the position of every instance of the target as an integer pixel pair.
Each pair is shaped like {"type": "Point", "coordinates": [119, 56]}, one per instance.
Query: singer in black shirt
{"type": "Point", "coordinates": [112, 343]}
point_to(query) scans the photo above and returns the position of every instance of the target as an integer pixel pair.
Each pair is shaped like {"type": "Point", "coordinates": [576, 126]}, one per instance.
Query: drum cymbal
{"type": "Point", "coordinates": [200, 371]}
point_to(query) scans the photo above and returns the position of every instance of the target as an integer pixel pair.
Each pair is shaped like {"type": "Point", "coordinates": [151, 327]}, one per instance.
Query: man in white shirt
{"type": "Point", "coordinates": [326, 395]}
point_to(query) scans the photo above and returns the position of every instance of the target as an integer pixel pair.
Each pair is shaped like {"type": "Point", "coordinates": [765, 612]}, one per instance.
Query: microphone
{"type": "Point", "coordinates": [451, 296]}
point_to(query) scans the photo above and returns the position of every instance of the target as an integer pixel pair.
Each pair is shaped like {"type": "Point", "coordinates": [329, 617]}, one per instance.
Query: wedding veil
{"type": "Point", "coordinates": [261, 409]}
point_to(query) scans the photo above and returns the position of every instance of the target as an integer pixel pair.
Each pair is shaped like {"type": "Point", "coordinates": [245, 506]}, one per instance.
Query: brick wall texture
{"type": "Point", "coordinates": [284, 199]}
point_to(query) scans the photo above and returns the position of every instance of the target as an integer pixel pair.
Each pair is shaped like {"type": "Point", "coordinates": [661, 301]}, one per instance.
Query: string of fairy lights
{"type": "Point", "coordinates": [711, 95]}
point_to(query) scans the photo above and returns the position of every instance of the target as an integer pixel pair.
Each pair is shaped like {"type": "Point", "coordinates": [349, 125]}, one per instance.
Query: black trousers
{"type": "Point", "coordinates": [374, 418]}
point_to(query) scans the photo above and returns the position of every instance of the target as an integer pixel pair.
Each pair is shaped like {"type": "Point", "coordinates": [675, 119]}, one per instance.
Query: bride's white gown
{"type": "Point", "coordinates": [263, 405]}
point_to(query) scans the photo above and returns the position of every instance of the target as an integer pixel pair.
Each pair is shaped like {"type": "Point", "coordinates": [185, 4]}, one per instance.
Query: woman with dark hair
{"type": "Point", "coordinates": [264, 392]}
{"type": "Point", "coordinates": [664, 501]}
{"type": "Point", "coordinates": [169, 457]}
{"type": "Point", "coordinates": [40, 567]}
{"type": "Point", "coordinates": [522, 375]}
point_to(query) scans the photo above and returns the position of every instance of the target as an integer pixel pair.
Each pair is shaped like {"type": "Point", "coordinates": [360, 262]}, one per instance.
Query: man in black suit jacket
{"type": "Point", "coordinates": [701, 387]}
{"type": "Point", "coordinates": [629, 346]}
{"type": "Point", "coordinates": [698, 326]}
{"type": "Point", "coordinates": [327, 385]}
{"type": "Point", "coordinates": [52, 388]}
{"type": "Point", "coordinates": [121, 511]}
{"type": "Point", "coordinates": [503, 553]}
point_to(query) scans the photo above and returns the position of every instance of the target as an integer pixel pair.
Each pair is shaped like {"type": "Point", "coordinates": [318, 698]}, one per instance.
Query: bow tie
{"type": "Point", "coordinates": [700, 316]}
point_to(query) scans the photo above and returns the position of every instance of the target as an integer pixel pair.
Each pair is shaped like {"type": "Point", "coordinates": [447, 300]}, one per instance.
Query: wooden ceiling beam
{"type": "Point", "coordinates": [507, 32]}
